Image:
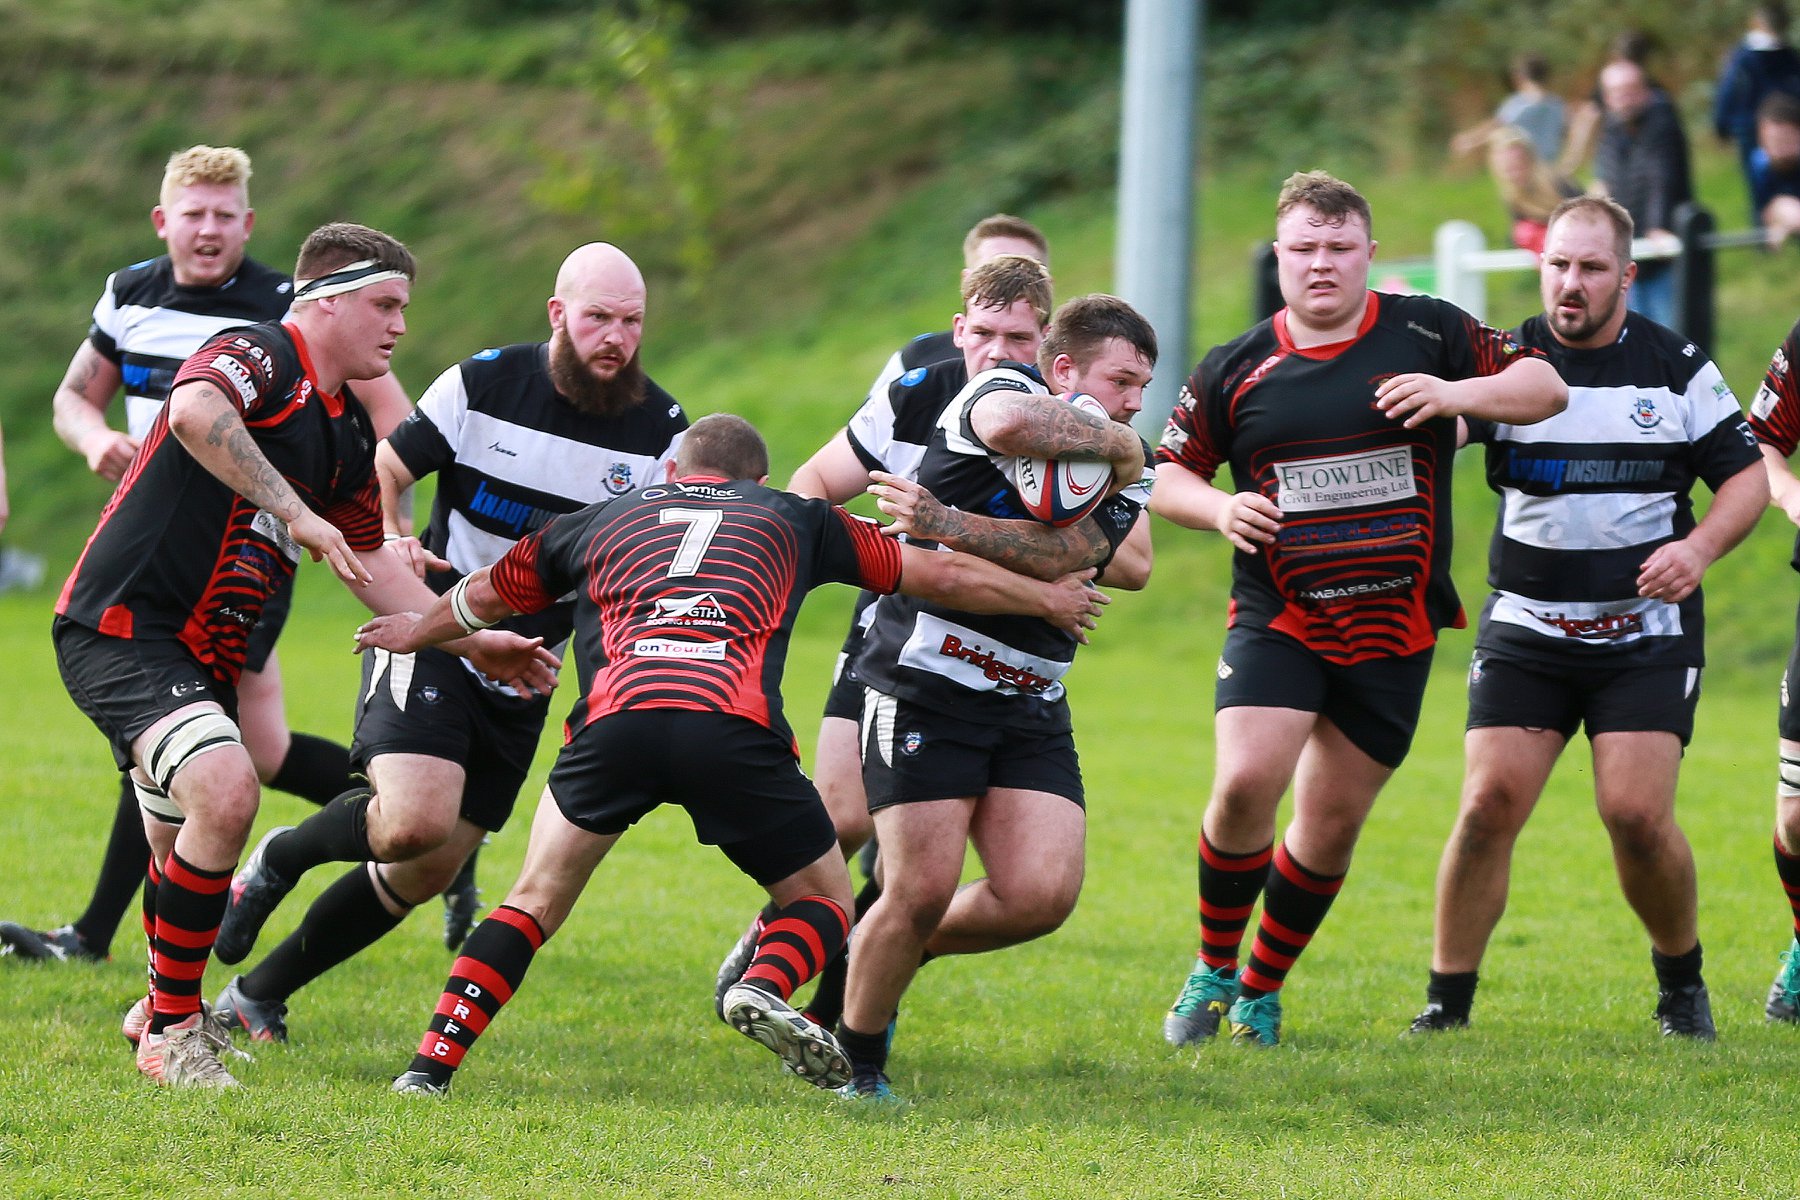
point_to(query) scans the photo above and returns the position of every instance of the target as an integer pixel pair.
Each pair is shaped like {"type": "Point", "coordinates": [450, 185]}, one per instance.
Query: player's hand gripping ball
{"type": "Point", "coordinates": [1061, 492]}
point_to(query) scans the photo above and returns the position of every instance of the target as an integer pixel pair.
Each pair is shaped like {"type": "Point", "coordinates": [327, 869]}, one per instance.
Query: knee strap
{"type": "Point", "coordinates": [156, 802]}
{"type": "Point", "coordinates": [185, 741]}
{"type": "Point", "coordinates": [1790, 777]}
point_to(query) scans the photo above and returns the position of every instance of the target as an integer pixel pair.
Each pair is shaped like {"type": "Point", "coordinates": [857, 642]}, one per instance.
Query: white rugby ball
{"type": "Point", "coordinates": [1058, 492]}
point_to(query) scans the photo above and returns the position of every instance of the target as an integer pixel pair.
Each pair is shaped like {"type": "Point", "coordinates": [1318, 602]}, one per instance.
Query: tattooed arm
{"type": "Point", "coordinates": [1027, 547]}
{"type": "Point", "coordinates": [210, 428]}
{"type": "Point", "coordinates": [1010, 422]}
{"type": "Point", "coordinates": [78, 413]}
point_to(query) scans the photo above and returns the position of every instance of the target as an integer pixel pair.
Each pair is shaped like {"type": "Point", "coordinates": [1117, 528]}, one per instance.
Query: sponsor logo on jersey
{"type": "Point", "coordinates": [1644, 414]}
{"type": "Point", "coordinates": [304, 392]}
{"type": "Point", "coordinates": [993, 669]}
{"type": "Point", "coordinates": [1765, 402]}
{"type": "Point", "coordinates": [912, 377]}
{"type": "Point", "coordinates": [1556, 472]}
{"type": "Point", "coordinates": [1345, 480]}
{"type": "Point", "coordinates": [1342, 537]}
{"type": "Point", "coordinates": [705, 491]}
{"type": "Point", "coordinates": [275, 530]}
{"type": "Point", "coordinates": [233, 371]}
{"type": "Point", "coordinates": [667, 648]}
{"type": "Point", "coordinates": [618, 479]}
{"type": "Point", "coordinates": [1327, 596]}
{"type": "Point", "coordinates": [703, 609]}
{"type": "Point", "coordinates": [517, 516]}
{"type": "Point", "coordinates": [1604, 628]}
{"type": "Point", "coordinates": [497, 448]}
{"type": "Point", "coordinates": [486, 355]}
{"type": "Point", "coordinates": [1433, 334]}
{"type": "Point", "coordinates": [1779, 364]}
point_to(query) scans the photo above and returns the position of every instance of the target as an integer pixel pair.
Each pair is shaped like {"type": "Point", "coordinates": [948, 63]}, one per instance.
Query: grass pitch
{"type": "Point", "coordinates": [1038, 1071]}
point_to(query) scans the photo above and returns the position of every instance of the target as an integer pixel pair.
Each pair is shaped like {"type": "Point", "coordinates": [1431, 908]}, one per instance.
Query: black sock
{"type": "Point", "coordinates": [1452, 991]}
{"type": "Point", "coordinates": [346, 917]}
{"type": "Point", "coordinates": [867, 1051]}
{"type": "Point", "coordinates": [1676, 970]}
{"type": "Point", "coordinates": [121, 873]}
{"type": "Point", "coordinates": [315, 769]}
{"type": "Point", "coordinates": [339, 832]}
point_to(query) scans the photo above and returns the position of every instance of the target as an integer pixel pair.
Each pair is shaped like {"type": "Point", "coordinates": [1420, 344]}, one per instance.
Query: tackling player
{"type": "Point", "coordinates": [686, 596]}
{"type": "Point", "coordinates": [1338, 417]}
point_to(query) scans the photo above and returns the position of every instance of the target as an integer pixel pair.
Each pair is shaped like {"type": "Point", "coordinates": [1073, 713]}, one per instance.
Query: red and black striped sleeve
{"type": "Point", "coordinates": [517, 580]}
{"type": "Point", "coordinates": [877, 555]}
{"type": "Point", "coordinates": [1479, 348]}
{"type": "Point", "coordinates": [1191, 439]}
{"type": "Point", "coordinates": [1775, 413]}
{"type": "Point", "coordinates": [358, 517]}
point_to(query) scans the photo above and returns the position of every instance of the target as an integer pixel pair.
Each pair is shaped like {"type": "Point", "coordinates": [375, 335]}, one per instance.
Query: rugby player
{"type": "Point", "coordinates": [966, 731]}
{"type": "Point", "coordinates": [1338, 418]}
{"type": "Point", "coordinates": [1596, 616]}
{"type": "Point", "coordinates": [150, 317]}
{"type": "Point", "coordinates": [687, 594]}
{"type": "Point", "coordinates": [516, 436]}
{"type": "Point", "coordinates": [1775, 419]}
{"type": "Point", "coordinates": [262, 452]}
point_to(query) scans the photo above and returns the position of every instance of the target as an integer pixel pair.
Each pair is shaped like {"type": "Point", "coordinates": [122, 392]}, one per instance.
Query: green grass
{"type": "Point", "coordinates": [1036, 1072]}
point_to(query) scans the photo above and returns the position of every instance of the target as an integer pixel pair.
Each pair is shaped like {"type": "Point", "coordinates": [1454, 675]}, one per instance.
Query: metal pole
{"type": "Point", "coordinates": [1156, 185]}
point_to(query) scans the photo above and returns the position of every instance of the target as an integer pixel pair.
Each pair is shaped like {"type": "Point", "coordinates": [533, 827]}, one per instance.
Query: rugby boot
{"type": "Point", "coordinates": [735, 964]}
{"type": "Point", "coordinates": [1685, 1012]}
{"type": "Point", "coordinates": [418, 1083]}
{"type": "Point", "coordinates": [255, 891]}
{"type": "Point", "coordinates": [869, 1087]}
{"type": "Point", "coordinates": [807, 1050]}
{"type": "Point", "coordinates": [1256, 1022]}
{"type": "Point", "coordinates": [62, 944]}
{"type": "Point", "coordinates": [1784, 994]}
{"type": "Point", "coordinates": [263, 1020]}
{"type": "Point", "coordinates": [1436, 1019]}
{"type": "Point", "coordinates": [186, 1055]}
{"type": "Point", "coordinates": [1204, 1000]}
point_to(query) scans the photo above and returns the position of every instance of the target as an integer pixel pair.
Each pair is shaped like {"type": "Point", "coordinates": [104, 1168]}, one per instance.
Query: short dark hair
{"type": "Point", "coordinates": [1007, 226]}
{"type": "Point", "coordinates": [1532, 66]}
{"type": "Point", "coordinates": [332, 247]}
{"type": "Point", "coordinates": [722, 444]}
{"type": "Point", "coordinates": [1606, 209]}
{"type": "Point", "coordinates": [1082, 327]}
{"type": "Point", "coordinates": [1006, 279]}
{"type": "Point", "coordinates": [1325, 194]}
{"type": "Point", "coordinates": [1774, 17]}
{"type": "Point", "coordinates": [1779, 108]}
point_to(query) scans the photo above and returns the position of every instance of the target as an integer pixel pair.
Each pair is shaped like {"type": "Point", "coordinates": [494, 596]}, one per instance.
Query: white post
{"type": "Point", "coordinates": [1458, 280]}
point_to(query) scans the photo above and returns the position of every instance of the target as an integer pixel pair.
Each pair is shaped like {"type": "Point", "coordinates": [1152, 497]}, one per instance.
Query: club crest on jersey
{"type": "Point", "coordinates": [911, 742]}
{"type": "Point", "coordinates": [1225, 671]}
{"type": "Point", "coordinates": [618, 480]}
{"type": "Point", "coordinates": [1475, 670]}
{"type": "Point", "coordinates": [1644, 414]}
{"type": "Point", "coordinates": [429, 695]}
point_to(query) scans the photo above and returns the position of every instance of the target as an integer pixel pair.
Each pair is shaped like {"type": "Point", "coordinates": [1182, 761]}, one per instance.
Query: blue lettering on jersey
{"type": "Point", "coordinates": [912, 377]}
{"type": "Point", "coordinates": [520, 518]}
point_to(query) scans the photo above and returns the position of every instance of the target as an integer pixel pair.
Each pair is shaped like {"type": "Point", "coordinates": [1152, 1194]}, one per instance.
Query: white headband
{"type": "Point", "coordinates": [344, 279]}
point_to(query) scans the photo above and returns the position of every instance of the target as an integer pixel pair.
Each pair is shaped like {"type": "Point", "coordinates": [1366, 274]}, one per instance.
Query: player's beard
{"type": "Point", "coordinates": [576, 382]}
{"type": "Point", "coordinates": [1592, 319]}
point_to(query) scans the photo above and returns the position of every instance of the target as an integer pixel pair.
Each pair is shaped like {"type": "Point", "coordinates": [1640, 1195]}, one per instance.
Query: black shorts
{"type": "Point", "coordinates": [912, 754]}
{"type": "Point", "coordinates": [1374, 703]}
{"type": "Point", "coordinates": [126, 685]}
{"type": "Point", "coordinates": [274, 616]}
{"type": "Point", "coordinates": [845, 700]}
{"type": "Point", "coordinates": [745, 792]}
{"type": "Point", "coordinates": [1788, 721]}
{"type": "Point", "coordinates": [1521, 693]}
{"type": "Point", "coordinates": [429, 703]}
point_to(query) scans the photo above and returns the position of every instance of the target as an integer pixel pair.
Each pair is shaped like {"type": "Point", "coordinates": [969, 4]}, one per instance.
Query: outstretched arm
{"type": "Point", "coordinates": [1524, 393]}
{"type": "Point", "coordinates": [396, 596]}
{"type": "Point", "coordinates": [211, 429]}
{"type": "Point", "coordinates": [833, 473]}
{"type": "Point", "coordinates": [975, 585]}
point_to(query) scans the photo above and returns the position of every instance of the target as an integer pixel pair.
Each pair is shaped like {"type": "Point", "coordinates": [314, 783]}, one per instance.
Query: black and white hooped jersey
{"type": "Point", "coordinates": [510, 453]}
{"type": "Point", "coordinates": [146, 324]}
{"type": "Point", "coordinates": [990, 669]}
{"type": "Point", "coordinates": [1588, 494]}
{"type": "Point", "coordinates": [892, 427]}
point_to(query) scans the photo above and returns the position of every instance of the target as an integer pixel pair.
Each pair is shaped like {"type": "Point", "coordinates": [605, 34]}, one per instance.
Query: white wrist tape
{"type": "Point", "coordinates": [460, 611]}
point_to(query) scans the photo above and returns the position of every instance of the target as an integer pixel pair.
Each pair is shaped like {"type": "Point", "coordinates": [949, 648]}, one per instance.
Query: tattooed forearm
{"type": "Point", "coordinates": [227, 450]}
{"type": "Point", "coordinates": [1048, 428]}
{"type": "Point", "coordinates": [1028, 547]}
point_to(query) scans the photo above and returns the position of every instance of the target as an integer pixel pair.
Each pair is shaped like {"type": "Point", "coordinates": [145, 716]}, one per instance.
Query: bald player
{"type": "Point", "coordinates": [518, 435]}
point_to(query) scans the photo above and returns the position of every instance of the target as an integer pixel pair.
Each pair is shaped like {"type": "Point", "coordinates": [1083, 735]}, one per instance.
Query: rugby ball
{"type": "Point", "coordinates": [1059, 492]}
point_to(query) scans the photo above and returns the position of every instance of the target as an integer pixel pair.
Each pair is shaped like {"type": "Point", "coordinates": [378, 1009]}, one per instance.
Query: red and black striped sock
{"type": "Point", "coordinates": [152, 881]}
{"type": "Point", "coordinates": [189, 905]}
{"type": "Point", "coordinates": [1788, 867]}
{"type": "Point", "coordinates": [796, 943]}
{"type": "Point", "coordinates": [1295, 902]}
{"type": "Point", "coordinates": [1229, 886]}
{"type": "Point", "coordinates": [490, 969]}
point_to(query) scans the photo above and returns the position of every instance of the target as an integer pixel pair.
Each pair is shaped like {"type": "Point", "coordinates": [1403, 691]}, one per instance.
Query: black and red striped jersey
{"type": "Point", "coordinates": [1775, 413]}
{"type": "Point", "coordinates": [178, 554]}
{"type": "Point", "coordinates": [1360, 569]}
{"type": "Point", "coordinates": [686, 592]}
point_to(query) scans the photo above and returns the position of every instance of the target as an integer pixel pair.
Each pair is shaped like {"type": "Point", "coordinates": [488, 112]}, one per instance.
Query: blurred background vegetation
{"type": "Point", "coordinates": [794, 175]}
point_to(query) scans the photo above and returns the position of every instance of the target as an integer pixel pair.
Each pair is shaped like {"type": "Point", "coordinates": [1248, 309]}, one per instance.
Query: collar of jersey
{"type": "Point", "coordinates": [702, 477]}
{"type": "Point", "coordinates": [334, 403]}
{"type": "Point", "coordinates": [1329, 349]}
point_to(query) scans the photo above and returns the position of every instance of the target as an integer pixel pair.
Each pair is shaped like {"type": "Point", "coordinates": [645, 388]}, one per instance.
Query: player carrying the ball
{"type": "Point", "coordinates": [1339, 416]}
{"type": "Point", "coordinates": [966, 731]}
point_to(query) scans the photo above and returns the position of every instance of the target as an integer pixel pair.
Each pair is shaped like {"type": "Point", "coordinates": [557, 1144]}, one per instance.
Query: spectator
{"type": "Point", "coordinates": [1529, 186]}
{"type": "Point", "coordinates": [1642, 162]}
{"type": "Point", "coordinates": [1761, 66]}
{"type": "Point", "coordinates": [1531, 108]}
{"type": "Point", "coordinates": [1631, 46]}
{"type": "Point", "coordinates": [1774, 168]}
